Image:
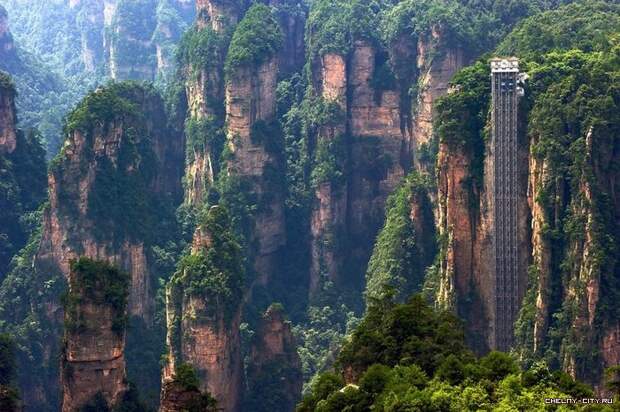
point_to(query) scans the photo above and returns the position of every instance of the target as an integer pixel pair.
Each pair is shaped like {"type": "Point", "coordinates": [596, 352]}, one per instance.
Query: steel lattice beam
{"type": "Point", "coordinates": [505, 98]}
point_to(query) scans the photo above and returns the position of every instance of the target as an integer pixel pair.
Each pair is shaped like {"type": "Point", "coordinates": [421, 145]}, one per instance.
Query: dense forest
{"type": "Point", "coordinates": [289, 205]}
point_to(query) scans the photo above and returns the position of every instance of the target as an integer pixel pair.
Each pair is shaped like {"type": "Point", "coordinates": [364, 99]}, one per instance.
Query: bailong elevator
{"type": "Point", "coordinates": [506, 90]}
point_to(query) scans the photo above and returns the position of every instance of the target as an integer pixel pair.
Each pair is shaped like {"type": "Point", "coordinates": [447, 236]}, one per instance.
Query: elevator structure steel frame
{"type": "Point", "coordinates": [506, 90]}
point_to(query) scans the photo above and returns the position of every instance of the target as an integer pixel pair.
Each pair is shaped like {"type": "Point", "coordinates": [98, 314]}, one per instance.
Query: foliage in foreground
{"type": "Point", "coordinates": [407, 357]}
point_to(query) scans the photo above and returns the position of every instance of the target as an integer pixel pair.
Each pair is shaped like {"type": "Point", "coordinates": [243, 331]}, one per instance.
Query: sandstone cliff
{"type": "Point", "coordinates": [129, 39]}
{"type": "Point", "coordinates": [93, 362]}
{"type": "Point", "coordinates": [204, 89]}
{"type": "Point", "coordinates": [437, 62]}
{"type": "Point", "coordinates": [91, 16]}
{"type": "Point", "coordinates": [111, 163]}
{"type": "Point", "coordinates": [250, 111]}
{"type": "Point", "coordinates": [274, 373]}
{"type": "Point", "coordinates": [253, 138]}
{"type": "Point", "coordinates": [132, 53]}
{"type": "Point", "coordinates": [178, 396]}
{"type": "Point", "coordinates": [329, 209]}
{"type": "Point", "coordinates": [291, 16]}
{"type": "Point", "coordinates": [8, 119]}
{"type": "Point", "coordinates": [218, 14]}
{"type": "Point", "coordinates": [578, 307]}
{"type": "Point", "coordinates": [203, 311]}
{"type": "Point", "coordinates": [384, 132]}
{"type": "Point", "coordinates": [7, 47]}
{"type": "Point", "coordinates": [465, 173]}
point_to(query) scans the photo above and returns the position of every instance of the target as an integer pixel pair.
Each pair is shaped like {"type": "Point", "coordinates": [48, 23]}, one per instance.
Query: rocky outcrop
{"type": "Point", "coordinates": [84, 217]}
{"type": "Point", "coordinates": [208, 343]}
{"type": "Point", "coordinates": [132, 53]}
{"type": "Point", "coordinates": [204, 88]}
{"type": "Point", "coordinates": [292, 18]}
{"type": "Point", "coordinates": [330, 200]}
{"type": "Point", "coordinates": [466, 282]}
{"type": "Point", "coordinates": [579, 300]}
{"type": "Point", "coordinates": [377, 150]}
{"type": "Point", "coordinates": [7, 46]}
{"type": "Point", "coordinates": [274, 373]}
{"type": "Point", "coordinates": [378, 156]}
{"type": "Point", "coordinates": [168, 32]}
{"type": "Point", "coordinates": [541, 253]}
{"type": "Point", "coordinates": [252, 140]}
{"type": "Point", "coordinates": [178, 397]}
{"type": "Point", "coordinates": [437, 62]}
{"type": "Point", "coordinates": [218, 14]}
{"type": "Point", "coordinates": [203, 322]}
{"type": "Point", "coordinates": [8, 119]}
{"type": "Point", "coordinates": [93, 362]}
{"type": "Point", "coordinates": [91, 19]}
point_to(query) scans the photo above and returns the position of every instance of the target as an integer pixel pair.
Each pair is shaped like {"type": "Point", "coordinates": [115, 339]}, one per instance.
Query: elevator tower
{"type": "Point", "coordinates": [506, 90]}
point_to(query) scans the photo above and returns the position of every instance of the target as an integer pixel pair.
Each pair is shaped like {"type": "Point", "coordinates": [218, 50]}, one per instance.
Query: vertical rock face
{"type": "Point", "coordinates": [465, 219]}
{"type": "Point", "coordinates": [132, 53]}
{"type": "Point", "coordinates": [91, 215]}
{"type": "Point", "coordinates": [438, 63]}
{"type": "Point", "coordinates": [204, 88]}
{"type": "Point", "coordinates": [8, 119]}
{"type": "Point", "coordinates": [378, 151]}
{"type": "Point", "coordinates": [580, 299]}
{"type": "Point", "coordinates": [250, 113]}
{"type": "Point", "coordinates": [91, 20]}
{"type": "Point", "coordinates": [541, 252]}
{"type": "Point", "coordinates": [330, 203]}
{"type": "Point", "coordinates": [169, 31]}
{"type": "Point", "coordinates": [211, 345]}
{"type": "Point", "coordinates": [291, 17]}
{"type": "Point", "coordinates": [203, 321]}
{"type": "Point", "coordinates": [6, 39]}
{"type": "Point", "coordinates": [218, 14]}
{"type": "Point", "coordinates": [93, 362]}
{"type": "Point", "coordinates": [274, 374]}
{"type": "Point", "coordinates": [466, 266]}
{"type": "Point", "coordinates": [177, 397]}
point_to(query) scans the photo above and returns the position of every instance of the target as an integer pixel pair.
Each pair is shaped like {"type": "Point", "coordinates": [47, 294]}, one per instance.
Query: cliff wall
{"type": "Point", "coordinates": [8, 118]}
{"type": "Point", "coordinates": [384, 132]}
{"type": "Point", "coordinates": [274, 373]}
{"type": "Point", "coordinates": [203, 313]}
{"type": "Point", "coordinates": [87, 200]}
{"type": "Point", "coordinates": [93, 362]}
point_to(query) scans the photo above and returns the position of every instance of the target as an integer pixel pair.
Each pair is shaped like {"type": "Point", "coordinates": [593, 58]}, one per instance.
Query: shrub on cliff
{"type": "Point", "coordinates": [401, 254]}
{"type": "Point", "coordinates": [98, 283]}
{"type": "Point", "coordinates": [216, 272]}
{"type": "Point", "coordinates": [256, 38]}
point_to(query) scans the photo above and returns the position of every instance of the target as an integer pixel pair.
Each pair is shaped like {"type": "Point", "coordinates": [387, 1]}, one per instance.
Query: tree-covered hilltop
{"type": "Point", "coordinates": [408, 357]}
